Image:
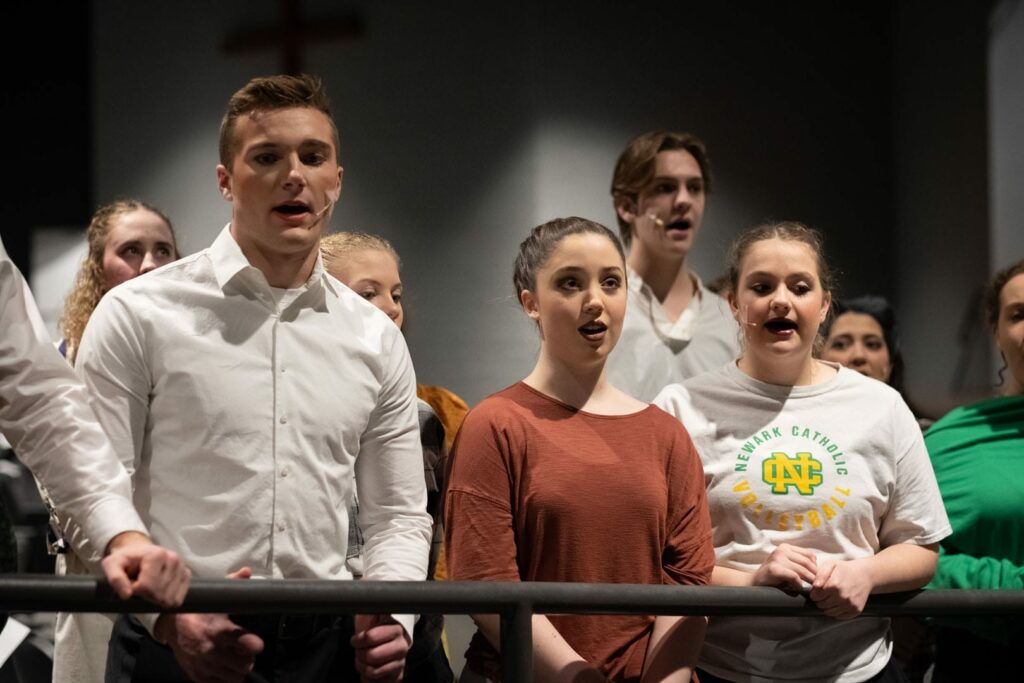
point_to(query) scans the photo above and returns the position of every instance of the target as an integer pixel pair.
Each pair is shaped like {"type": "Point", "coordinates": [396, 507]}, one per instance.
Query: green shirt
{"type": "Point", "coordinates": [978, 455]}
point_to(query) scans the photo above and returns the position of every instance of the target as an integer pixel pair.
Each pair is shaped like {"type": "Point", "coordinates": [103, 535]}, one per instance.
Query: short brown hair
{"type": "Point", "coordinates": [635, 168]}
{"type": "Point", "coordinates": [270, 93]}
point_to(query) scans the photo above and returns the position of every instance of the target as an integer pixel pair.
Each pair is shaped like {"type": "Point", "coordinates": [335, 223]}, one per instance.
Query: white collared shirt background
{"type": "Point", "coordinates": [653, 352]}
{"type": "Point", "coordinates": [45, 415]}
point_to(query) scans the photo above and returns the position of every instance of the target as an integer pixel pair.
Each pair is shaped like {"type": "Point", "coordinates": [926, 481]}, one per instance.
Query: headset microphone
{"type": "Point", "coordinates": [745, 311]}
{"type": "Point", "coordinates": [332, 199]}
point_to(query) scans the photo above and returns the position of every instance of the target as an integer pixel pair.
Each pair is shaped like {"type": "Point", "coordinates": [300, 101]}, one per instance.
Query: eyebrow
{"type": "Point", "coordinates": [764, 273]}
{"type": "Point", "coordinates": [136, 242]}
{"type": "Point", "coordinates": [675, 179]}
{"type": "Point", "coordinates": [307, 143]}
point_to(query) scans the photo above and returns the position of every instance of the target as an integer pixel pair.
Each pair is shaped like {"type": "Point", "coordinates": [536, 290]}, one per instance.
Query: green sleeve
{"type": "Point", "coordinates": [967, 571]}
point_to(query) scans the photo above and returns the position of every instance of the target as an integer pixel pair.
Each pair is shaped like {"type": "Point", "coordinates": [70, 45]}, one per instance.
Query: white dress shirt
{"type": "Point", "coordinates": [246, 413]}
{"type": "Point", "coordinates": [653, 351]}
{"type": "Point", "coordinates": [45, 415]}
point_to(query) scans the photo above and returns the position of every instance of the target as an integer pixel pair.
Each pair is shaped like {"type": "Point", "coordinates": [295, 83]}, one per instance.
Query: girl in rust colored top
{"type": "Point", "coordinates": [562, 477]}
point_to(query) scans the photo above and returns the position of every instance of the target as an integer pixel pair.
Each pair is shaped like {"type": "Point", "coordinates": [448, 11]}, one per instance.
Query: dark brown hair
{"type": "Point", "coordinates": [636, 165]}
{"type": "Point", "coordinates": [269, 94]}
{"type": "Point", "coordinates": [994, 288]}
{"type": "Point", "coordinates": [536, 249]}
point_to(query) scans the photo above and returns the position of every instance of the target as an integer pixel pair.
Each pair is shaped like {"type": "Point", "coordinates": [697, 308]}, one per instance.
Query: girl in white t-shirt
{"type": "Point", "coordinates": [818, 480]}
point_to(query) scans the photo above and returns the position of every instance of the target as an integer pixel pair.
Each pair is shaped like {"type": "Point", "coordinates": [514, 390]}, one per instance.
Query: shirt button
{"type": "Point", "coordinates": [284, 471]}
{"type": "Point", "coordinates": [280, 526]}
{"type": "Point", "coordinates": [284, 420]}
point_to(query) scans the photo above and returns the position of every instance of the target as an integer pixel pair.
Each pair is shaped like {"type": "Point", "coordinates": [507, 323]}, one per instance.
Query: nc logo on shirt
{"type": "Point", "coordinates": [802, 472]}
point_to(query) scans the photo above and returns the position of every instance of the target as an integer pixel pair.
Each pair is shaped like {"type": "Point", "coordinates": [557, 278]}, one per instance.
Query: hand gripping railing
{"type": "Point", "coordinates": [516, 603]}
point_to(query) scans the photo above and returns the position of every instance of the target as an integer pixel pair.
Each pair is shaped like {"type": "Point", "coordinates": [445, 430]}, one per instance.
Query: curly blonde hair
{"type": "Point", "coordinates": [90, 282]}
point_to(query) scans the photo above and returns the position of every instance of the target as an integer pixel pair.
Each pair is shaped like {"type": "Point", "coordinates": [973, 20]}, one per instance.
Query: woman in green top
{"type": "Point", "coordinates": [978, 455]}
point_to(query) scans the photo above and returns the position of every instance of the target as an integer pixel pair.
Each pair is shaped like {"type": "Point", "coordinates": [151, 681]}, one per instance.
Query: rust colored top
{"type": "Point", "coordinates": [541, 491]}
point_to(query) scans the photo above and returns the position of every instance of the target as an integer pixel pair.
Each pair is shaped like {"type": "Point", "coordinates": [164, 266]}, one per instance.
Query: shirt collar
{"type": "Point", "coordinates": [638, 286]}
{"type": "Point", "coordinates": [229, 262]}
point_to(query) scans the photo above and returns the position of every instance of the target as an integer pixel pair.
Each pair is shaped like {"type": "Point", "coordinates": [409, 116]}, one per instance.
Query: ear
{"type": "Point", "coordinates": [826, 303]}
{"type": "Point", "coordinates": [529, 304]}
{"type": "Point", "coordinates": [625, 208]}
{"type": "Point", "coordinates": [224, 182]}
{"type": "Point", "coordinates": [341, 175]}
{"type": "Point", "coordinates": [733, 305]}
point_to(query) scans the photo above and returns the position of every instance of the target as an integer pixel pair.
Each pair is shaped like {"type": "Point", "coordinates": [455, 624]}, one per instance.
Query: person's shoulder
{"type": "Point", "coordinates": [988, 415]}
{"type": "Point", "coordinates": [713, 303]}
{"type": "Point", "coordinates": [187, 272]}
{"type": "Point", "coordinates": [509, 399]}
{"type": "Point", "coordinates": [351, 305]}
{"type": "Point", "coordinates": [357, 320]}
{"type": "Point", "coordinates": [866, 388]}
{"type": "Point", "coordinates": [664, 419]}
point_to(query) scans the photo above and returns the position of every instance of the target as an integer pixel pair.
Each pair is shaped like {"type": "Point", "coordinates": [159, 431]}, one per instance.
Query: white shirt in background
{"type": "Point", "coordinates": [45, 415]}
{"type": "Point", "coordinates": [653, 352]}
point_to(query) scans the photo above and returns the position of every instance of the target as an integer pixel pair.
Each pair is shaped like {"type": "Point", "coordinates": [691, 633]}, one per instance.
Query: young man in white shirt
{"type": "Point", "coordinates": [249, 392]}
{"type": "Point", "coordinates": [675, 327]}
{"type": "Point", "coordinates": [45, 415]}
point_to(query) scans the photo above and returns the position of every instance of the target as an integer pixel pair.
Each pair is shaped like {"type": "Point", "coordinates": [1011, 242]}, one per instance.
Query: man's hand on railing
{"type": "Point", "coordinates": [210, 647]}
{"type": "Point", "coordinates": [381, 645]}
{"type": "Point", "coordinates": [134, 566]}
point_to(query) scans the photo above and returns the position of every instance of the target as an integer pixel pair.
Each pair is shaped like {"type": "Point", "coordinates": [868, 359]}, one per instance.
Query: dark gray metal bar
{"type": "Point", "coordinates": [36, 592]}
{"type": "Point", "coordinates": [517, 644]}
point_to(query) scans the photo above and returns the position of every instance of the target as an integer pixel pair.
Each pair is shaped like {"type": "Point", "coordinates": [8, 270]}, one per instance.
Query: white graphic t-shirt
{"type": "Point", "coordinates": [839, 468]}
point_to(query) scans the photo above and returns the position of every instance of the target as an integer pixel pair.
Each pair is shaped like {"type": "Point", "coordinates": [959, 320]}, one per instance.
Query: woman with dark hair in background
{"type": "Point", "coordinates": [862, 335]}
{"type": "Point", "coordinates": [978, 455]}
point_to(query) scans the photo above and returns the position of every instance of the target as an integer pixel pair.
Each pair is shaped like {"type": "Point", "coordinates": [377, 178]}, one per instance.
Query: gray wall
{"type": "Point", "coordinates": [1006, 132]}
{"type": "Point", "coordinates": [462, 128]}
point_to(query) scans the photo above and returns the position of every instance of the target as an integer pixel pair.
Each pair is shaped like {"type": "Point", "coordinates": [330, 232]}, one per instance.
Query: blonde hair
{"type": "Point", "coordinates": [337, 246]}
{"type": "Point", "coordinates": [90, 282]}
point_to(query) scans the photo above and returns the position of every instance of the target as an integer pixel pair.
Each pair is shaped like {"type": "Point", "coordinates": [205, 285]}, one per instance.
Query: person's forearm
{"type": "Point", "coordinates": [554, 661]}
{"type": "Point", "coordinates": [902, 567]}
{"type": "Point", "coordinates": [673, 649]}
{"type": "Point", "coordinates": [724, 576]}
{"type": "Point", "coordinates": [968, 571]}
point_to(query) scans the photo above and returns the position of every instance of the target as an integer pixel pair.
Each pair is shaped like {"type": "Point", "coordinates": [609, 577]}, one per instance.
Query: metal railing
{"type": "Point", "coordinates": [516, 603]}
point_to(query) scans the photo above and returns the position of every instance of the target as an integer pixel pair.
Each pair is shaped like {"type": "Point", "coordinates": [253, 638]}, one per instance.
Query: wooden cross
{"type": "Point", "coordinates": [292, 34]}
